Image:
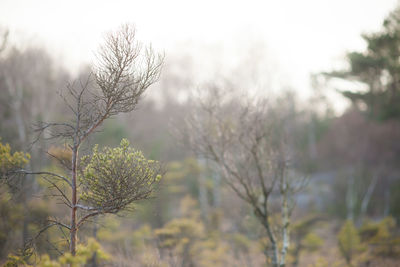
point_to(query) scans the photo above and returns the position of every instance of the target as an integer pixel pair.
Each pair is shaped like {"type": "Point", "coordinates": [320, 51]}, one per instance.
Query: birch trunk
{"type": "Point", "coordinates": [285, 230]}
{"type": "Point", "coordinates": [274, 246]}
{"type": "Point", "coordinates": [367, 197]}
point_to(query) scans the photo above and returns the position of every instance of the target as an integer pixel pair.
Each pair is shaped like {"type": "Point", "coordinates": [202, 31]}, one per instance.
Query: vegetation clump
{"type": "Point", "coordinates": [113, 178]}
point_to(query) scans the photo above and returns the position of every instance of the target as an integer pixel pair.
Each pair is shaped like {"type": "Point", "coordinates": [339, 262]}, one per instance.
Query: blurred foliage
{"type": "Point", "coordinates": [395, 200]}
{"type": "Point", "coordinates": [190, 244]}
{"type": "Point", "coordinates": [14, 215]}
{"type": "Point", "coordinates": [320, 262]}
{"type": "Point", "coordinates": [312, 242]}
{"type": "Point", "coordinates": [303, 238]}
{"type": "Point", "coordinates": [381, 237]}
{"type": "Point", "coordinates": [83, 254]}
{"type": "Point", "coordinates": [349, 241]}
{"type": "Point", "coordinates": [11, 161]}
{"type": "Point", "coordinates": [180, 234]}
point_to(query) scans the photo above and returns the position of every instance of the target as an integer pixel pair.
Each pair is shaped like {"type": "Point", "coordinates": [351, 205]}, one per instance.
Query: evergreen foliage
{"type": "Point", "coordinates": [114, 178]}
{"type": "Point", "coordinates": [378, 69]}
{"type": "Point", "coordinates": [11, 161]}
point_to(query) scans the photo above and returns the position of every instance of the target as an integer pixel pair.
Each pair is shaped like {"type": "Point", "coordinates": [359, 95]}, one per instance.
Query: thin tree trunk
{"type": "Point", "coordinates": [350, 197]}
{"type": "Point", "coordinates": [22, 136]}
{"type": "Point", "coordinates": [285, 230]}
{"type": "Point", "coordinates": [367, 197]}
{"type": "Point", "coordinates": [275, 257]}
{"type": "Point", "coordinates": [216, 199]}
{"type": "Point", "coordinates": [274, 246]}
{"type": "Point", "coordinates": [73, 232]}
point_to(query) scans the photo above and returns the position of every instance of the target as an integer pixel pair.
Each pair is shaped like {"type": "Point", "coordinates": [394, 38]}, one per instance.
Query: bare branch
{"type": "Point", "coordinates": [247, 139]}
{"type": "Point", "coordinates": [62, 194]}
{"type": "Point", "coordinates": [86, 217]}
{"type": "Point", "coordinates": [59, 224]}
{"type": "Point", "coordinates": [44, 173]}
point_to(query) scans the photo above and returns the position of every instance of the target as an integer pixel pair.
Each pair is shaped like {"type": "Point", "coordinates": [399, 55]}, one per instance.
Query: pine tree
{"type": "Point", "coordinates": [377, 68]}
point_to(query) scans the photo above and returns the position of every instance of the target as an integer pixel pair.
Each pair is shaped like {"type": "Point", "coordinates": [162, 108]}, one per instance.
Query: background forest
{"type": "Point", "coordinates": [249, 176]}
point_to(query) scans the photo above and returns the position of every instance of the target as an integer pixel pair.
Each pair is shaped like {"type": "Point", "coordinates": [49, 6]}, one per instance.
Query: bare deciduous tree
{"type": "Point", "coordinates": [249, 142]}
{"type": "Point", "coordinates": [124, 71]}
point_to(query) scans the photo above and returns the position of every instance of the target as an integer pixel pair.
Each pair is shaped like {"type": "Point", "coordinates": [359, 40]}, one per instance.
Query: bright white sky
{"type": "Point", "coordinates": [301, 37]}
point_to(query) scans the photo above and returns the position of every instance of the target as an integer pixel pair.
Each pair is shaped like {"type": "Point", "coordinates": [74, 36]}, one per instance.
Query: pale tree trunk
{"type": "Point", "coordinates": [285, 229]}
{"type": "Point", "coordinates": [367, 197]}
{"type": "Point", "coordinates": [216, 199]}
{"type": "Point", "coordinates": [16, 91]}
{"type": "Point", "coordinates": [273, 252]}
{"type": "Point", "coordinates": [22, 140]}
{"type": "Point", "coordinates": [73, 232]}
{"type": "Point", "coordinates": [20, 122]}
{"type": "Point", "coordinates": [350, 196]}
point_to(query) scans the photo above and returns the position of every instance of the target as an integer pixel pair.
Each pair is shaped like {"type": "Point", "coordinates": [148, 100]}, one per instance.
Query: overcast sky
{"type": "Point", "coordinates": [300, 36]}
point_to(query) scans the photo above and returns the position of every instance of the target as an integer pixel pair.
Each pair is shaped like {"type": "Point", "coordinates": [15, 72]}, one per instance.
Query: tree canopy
{"type": "Point", "coordinates": [377, 68]}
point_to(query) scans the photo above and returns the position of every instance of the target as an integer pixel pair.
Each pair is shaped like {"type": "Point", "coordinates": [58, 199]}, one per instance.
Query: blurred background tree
{"type": "Point", "coordinates": [377, 71]}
